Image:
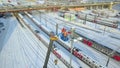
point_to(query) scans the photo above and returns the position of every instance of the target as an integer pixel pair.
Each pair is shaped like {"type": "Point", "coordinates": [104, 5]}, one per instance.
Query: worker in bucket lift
{"type": "Point", "coordinates": [63, 30]}
{"type": "Point", "coordinates": [64, 35]}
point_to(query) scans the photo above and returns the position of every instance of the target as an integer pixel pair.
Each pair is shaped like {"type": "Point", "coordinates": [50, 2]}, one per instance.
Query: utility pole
{"type": "Point", "coordinates": [108, 61]}
{"type": "Point", "coordinates": [104, 29]}
{"type": "Point", "coordinates": [70, 17]}
{"type": "Point", "coordinates": [52, 38]}
{"type": "Point", "coordinates": [40, 16]}
{"type": "Point", "coordinates": [85, 19]}
{"type": "Point", "coordinates": [71, 43]}
{"type": "Point", "coordinates": [95, 21]}
{"type": "Point", "coordinates": [56, 29]}
{"type": "Point", "coordinates": [111, 55]}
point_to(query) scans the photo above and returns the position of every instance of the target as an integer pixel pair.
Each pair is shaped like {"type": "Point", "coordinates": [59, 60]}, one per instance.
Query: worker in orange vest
{"type": "Point", "coordinates": [65, 34]}
{"type": "Point", "coordinates": [63, 30]}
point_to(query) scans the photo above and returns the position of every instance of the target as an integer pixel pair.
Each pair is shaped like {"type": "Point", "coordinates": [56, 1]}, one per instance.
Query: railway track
{"type": "Point", "coordinates": [44, 41]}
{"type": "Point", "coordinates": [92, 64]}
{"type": "Point", "coordinates": [94, 44]}
{"type": "Point", "coordinates": [103, 49]}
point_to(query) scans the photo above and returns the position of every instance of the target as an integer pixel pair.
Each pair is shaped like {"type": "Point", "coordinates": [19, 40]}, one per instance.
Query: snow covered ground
{"type": "Point", "coordinates": [21, 49]}
{"type": "Point", "coordinates": [101, 27]}
{"type": "Point", "coordinates": [9, 28]}
{"type": "Point", "coordinates": [97, 56]}
{"type": "Point", "coordinates": [110, 42]}
{"type": "Point", "coordinates": [76, 63]}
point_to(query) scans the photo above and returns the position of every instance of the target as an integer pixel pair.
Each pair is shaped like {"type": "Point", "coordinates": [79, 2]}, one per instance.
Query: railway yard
{"type": "Point", "coordinates": [92, 39]}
